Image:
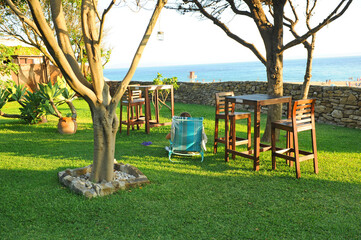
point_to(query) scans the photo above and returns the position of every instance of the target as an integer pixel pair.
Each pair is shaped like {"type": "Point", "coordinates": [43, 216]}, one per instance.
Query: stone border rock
{"type": "Point", "coordinates": [77, 182]}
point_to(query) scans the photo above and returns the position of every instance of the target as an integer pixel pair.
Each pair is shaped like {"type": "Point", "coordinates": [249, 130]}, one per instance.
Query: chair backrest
{"type": "Point", "coordinates": [221, 102]}
{"type": "Point", "coordinates": [303, 112]}
{"type": "Point", "coordinates": [186, 134]}
{"type": "Point", "coordinates": [135, 94]}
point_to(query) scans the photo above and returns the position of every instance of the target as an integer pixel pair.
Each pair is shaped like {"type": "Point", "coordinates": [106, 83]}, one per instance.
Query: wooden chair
{"type": "Point", "coordinates": [233, 116]}
{"type": "Point", "coordinates": [133, 100]}
{"type": "Point", "coordinates": [302, 119]}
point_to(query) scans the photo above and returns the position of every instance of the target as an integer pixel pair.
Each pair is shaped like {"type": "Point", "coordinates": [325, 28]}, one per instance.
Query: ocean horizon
{"type": "Point", "coordinates": [334, 69]}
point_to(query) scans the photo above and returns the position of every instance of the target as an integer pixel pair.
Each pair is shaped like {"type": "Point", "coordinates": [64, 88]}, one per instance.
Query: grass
{"type": "Point", "coordinates": [185, 200]}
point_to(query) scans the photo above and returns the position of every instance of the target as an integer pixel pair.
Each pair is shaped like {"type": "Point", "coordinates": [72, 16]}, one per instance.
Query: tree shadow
{"type": "Point", "coordinates": [198, 203]}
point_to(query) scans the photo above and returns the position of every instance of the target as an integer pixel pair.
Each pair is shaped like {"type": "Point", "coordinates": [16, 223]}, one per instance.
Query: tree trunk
{"type": "Point", "coordinates": [273, 45]}
{"type": "Point", "coordinates": [2, 114]}
{"type": "Point", "coordinates": [307, 79]}
{"type": "Point", "coordinates": [275, 88]}
{"type": "Point", "coordinates": [72, 109]}
{"type": "Point", "coordinates": [105, 127]}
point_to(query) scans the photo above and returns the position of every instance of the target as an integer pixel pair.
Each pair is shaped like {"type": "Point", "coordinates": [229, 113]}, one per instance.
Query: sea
{"type": "Point", "coordinates": [334, 69]}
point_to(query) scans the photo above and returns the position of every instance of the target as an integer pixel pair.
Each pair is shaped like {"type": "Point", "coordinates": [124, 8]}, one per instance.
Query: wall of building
{"type": "Point", "coordinates": [334, 105]}
{"type": "Point", "coordinates": [31, 74]}
{"type": "Point", "coordinates": [32, 71]}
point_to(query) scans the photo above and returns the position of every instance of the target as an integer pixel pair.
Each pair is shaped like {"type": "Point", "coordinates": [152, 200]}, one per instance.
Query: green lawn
{"type": "Point", "coordinates": [186, 200]}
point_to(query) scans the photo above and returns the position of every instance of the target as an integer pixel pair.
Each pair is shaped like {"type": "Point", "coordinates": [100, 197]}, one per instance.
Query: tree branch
{"type": "Point", "coordinates": [22, 17]}
{"type": "Point", "coordinates": [92, 45]}
{"type": "Point", "coordinates": [292, 24]}
{"type": "Point", "coordinates": [309, 13]}
{"type": "Point", "coordinates": [9, 115]}
{"type": "Point", "coordinates": [294, 13]}
{"type": "Point", "coordinates": [64, 40]}
{"type": "Point", "coordinates": [102, 20]}
{"type": "Point", "coordinates": [57, 113]}
{"type": "Point", "coordinates": [72, 109]}
{"type": "Point", "coordinates": [330, 18]}
{"type": "Point", "coordinates": [237, 11]}
{"type": "Point", "coordinates": [96, 9]}
{"type": "Point", "coordinates": [58, 55]}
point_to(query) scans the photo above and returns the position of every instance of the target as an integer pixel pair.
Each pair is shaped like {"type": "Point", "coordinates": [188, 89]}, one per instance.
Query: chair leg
{"type": "Point", "coordinates": [132, 109]}
{"type": "Point", "coordinates": [233, 135]}
{"type": "Point", "coordinates": [137, 114]}
{"type": "Point", "coordinates": [297, 155]}
{"type": "Point", "coordinates": [273, 144]}
{"type": "Point", "coordinates": [140, 112]}
{"type": "Point", "coordinates": [288, 144]}
{"type": "Point", "coordinates": [314, 150]}
{"type": "Point", "coordinates": [249, 133]}
{"type": "Point", "coordinates": [215, 136]}
{"type": "Point", "coordinates": [128, 119]}
{"type": "Point", "coordinates": [120, 118]}
{"type": "Point", "coordinates": [291, 146]}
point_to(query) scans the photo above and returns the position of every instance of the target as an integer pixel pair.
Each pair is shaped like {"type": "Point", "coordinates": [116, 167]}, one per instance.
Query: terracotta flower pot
{"type": "Point", "coordinates": [67, 125]}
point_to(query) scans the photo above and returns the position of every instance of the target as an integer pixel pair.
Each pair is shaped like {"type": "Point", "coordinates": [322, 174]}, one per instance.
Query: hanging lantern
{"type": "Point", "coordinates": [160, 35]}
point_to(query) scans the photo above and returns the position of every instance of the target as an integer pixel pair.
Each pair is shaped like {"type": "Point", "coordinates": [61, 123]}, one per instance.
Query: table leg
{"type": "Point", "coordinates": [289, 137]}
{"type": "Point", "coordinates": [156, 103]}
{"type": "Point", "coordinates": [172, 100]}
{"type": "Point", "coordinates": [226, 137]}
{"type": "Point", "coordinates": [147, 111]}
{"type": "Point", "coordinates": [257, 133]}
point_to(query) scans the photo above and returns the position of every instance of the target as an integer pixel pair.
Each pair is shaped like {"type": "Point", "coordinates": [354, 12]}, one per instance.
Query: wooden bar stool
{"type": "Point", "coordinates": [133, 100]}
{"type": "Point", "coordinates": [233, 116]}
{"type": "Point", "coordinates": [302, 119]}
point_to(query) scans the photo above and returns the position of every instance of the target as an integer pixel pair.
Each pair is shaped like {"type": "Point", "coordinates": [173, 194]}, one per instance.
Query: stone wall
{"type": "Point", "coordinates": [334, 105]}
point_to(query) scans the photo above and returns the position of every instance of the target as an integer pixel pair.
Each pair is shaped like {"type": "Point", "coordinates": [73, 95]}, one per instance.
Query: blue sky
{"type": "Point", "coordinates": [189, 40]}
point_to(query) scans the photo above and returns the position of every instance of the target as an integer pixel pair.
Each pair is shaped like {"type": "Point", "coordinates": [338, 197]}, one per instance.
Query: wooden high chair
{"type": "Point", "coordinates": [134, 102]}
{"type": "Point", "coordinates": [302, 119]}
{"type": "Point", "coordinates": [233, 116]}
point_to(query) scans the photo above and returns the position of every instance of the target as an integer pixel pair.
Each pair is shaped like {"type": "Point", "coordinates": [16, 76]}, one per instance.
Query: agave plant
{"type": "Point", "coordinates": [35, 105]}
{"type": "Point", "coordinates": [4, 97]}
{"type": "Point", "coordinates": [56, 94]}
{"type": "Point", "coordinates": [17, 92]}
{"type": "Point", "coordinates": [10, 92]}
{"type": "Point", "coordinates": [31, 107]}
{"type": "Point", "coordinates": [32, 110]}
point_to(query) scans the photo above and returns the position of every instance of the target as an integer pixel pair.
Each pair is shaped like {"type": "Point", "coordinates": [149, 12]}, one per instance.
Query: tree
{"type": "Point", "coordinates": [270, 18]}
{"type": "Point", "coordinates": [96, 94]}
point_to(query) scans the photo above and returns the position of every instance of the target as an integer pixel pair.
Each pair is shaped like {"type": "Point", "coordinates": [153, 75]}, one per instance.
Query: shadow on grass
{"type": "Point", "coordinates": [176, 203]}
{"type": "Point", "coordinates": [45, 140]}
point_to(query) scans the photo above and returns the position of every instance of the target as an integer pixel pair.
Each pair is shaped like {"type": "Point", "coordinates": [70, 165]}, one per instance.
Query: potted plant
{"type": "Point", "coordinates": [163, 94]}
{"type": "Point", "coordinates": [53, 96]}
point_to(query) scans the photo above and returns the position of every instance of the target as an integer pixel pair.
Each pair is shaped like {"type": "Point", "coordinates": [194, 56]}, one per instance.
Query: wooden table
{"type": "Point", "coordinates": [257, 101]}
{"type": "Point", "coordinates": [146, 89]}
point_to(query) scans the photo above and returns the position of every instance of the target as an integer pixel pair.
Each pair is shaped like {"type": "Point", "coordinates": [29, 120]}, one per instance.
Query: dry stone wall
{"type": "Point", "coordinates": [334, 105]}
